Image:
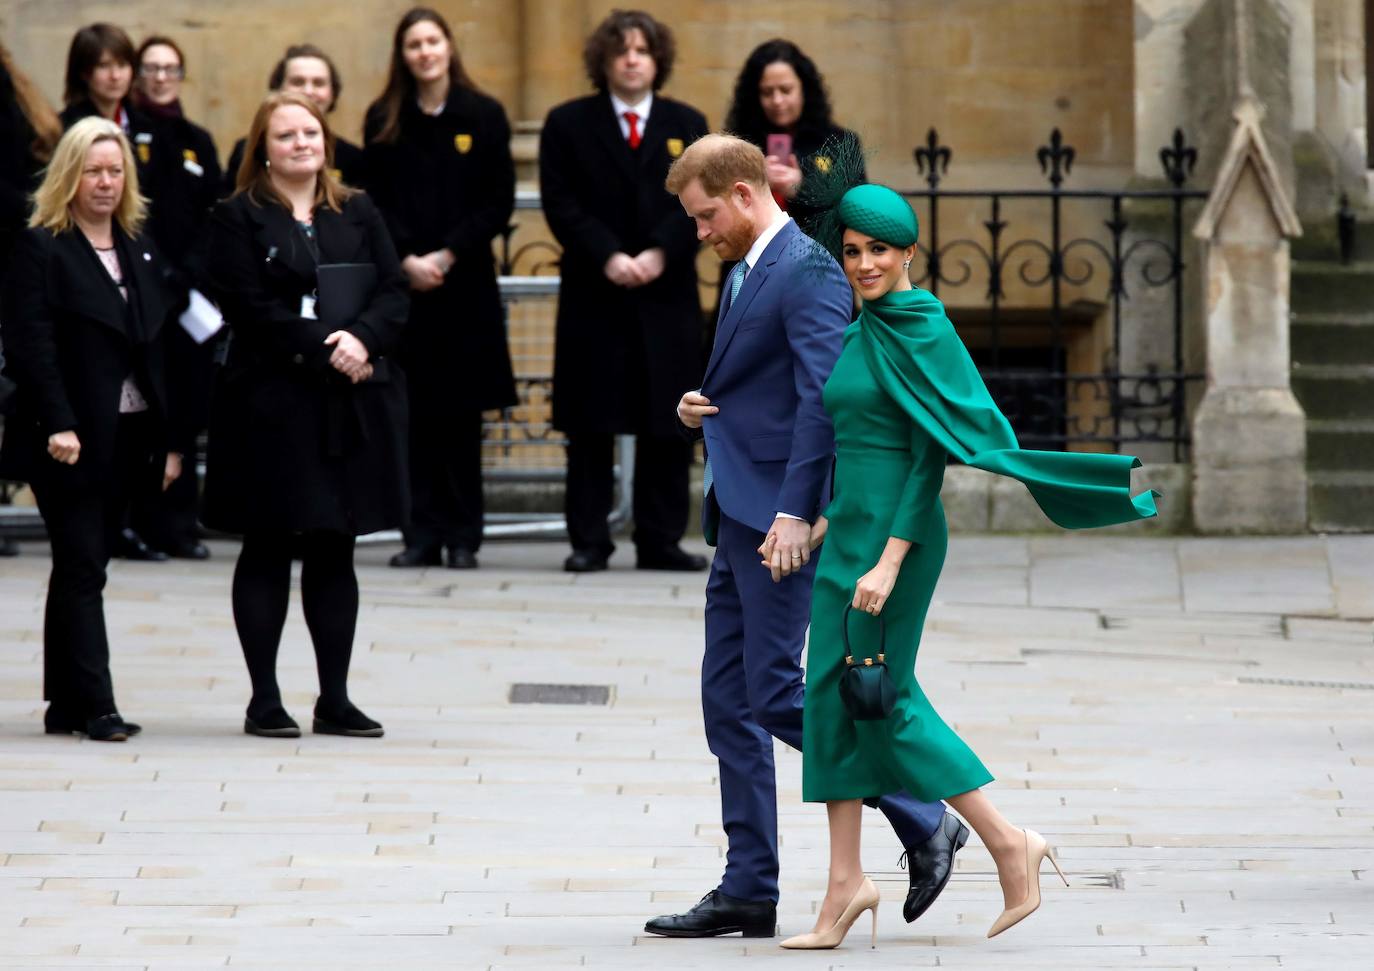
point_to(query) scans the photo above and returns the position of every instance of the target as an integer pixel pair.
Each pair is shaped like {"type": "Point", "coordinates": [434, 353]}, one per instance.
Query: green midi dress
{"type": "Point", "coordinates": [904, 397]}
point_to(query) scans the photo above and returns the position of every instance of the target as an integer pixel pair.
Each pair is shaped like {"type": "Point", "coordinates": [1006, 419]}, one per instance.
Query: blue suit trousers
{"type": "Point", "coordinates": [751, 692]}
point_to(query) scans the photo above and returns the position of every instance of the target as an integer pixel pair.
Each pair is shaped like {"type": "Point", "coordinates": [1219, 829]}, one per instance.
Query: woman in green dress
{"type": "Point", "coordinates": [904, 397]}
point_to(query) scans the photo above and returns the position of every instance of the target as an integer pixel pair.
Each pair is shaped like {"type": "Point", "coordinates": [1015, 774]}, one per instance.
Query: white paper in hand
{"type": "Point", "coordinates": [201, 319]}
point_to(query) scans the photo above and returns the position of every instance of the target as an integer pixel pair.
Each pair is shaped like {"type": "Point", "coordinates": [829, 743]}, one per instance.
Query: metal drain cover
{"type": "Point", "coordinates": [560, 694]}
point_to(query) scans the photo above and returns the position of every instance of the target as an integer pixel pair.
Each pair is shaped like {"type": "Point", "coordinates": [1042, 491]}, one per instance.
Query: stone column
{"type": "Point", "coordinates": [1249, 433]}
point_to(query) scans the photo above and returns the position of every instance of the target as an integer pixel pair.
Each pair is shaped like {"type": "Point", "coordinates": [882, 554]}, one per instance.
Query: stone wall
{"type": "Point", "coordinates": [994, 77]}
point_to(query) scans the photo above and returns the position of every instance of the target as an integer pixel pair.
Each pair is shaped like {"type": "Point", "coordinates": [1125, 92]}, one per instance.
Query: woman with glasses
{"type": "Point", "coordinates": [183, 183]}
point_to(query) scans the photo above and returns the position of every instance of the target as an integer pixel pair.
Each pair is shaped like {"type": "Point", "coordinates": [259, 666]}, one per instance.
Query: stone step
{"type": "Point", "coordinates": [1333, 338]}
{"type": "Point", "coordinates": [1336, 446]}
{"type": "Point", "coordinates": [1335, 391]}
{"type": "Point", "coordinates": [1341, 502]}
{"type": "Point", "coordinates": [1320, 239]}
{"type": "Point", "coordinates": [1320, 287]}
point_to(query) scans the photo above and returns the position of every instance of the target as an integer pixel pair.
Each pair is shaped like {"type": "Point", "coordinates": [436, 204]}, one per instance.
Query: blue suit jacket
{"type": "Point", "coordinates": [771, 444]}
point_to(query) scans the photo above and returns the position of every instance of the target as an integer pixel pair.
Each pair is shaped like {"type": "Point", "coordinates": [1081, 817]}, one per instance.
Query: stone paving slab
{"type": "Point", "coordinates": [1189, 720]}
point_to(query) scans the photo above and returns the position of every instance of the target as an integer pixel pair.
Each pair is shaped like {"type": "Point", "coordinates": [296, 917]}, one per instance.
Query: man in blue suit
{"type": "Point", "coordinates": [769, 446]}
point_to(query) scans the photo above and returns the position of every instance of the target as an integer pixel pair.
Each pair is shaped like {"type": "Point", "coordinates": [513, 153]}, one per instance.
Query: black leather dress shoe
{"type": "Point", "coordinates": [672, 558]}
{"type": "Point", "coordinates": [193, 550]}
{"type": "Point", "coordinates": [930, 865]}
{"type": "Point", "coordinates": [585, 561]}
{"type": "Point", "coordinates": [110, 728]}
{"type": "Point", "coordinates": [716, 914]}
{"type": "Point", "coordinates": [60, 721]}
{"type": "Point", "coordinates": [417, 556]}
{"type": "Point", "coordinates": [460, 558]}
{"type": "Point", "coordinates": [130, 546]}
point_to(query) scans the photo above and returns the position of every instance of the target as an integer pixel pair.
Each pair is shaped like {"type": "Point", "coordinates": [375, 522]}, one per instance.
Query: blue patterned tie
{"type": "Point", "coordinates": [736, 282]}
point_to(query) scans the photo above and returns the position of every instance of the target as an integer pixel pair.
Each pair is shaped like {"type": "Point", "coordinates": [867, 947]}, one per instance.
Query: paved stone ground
{"type": "Point", "coordinates": [1191, 721]}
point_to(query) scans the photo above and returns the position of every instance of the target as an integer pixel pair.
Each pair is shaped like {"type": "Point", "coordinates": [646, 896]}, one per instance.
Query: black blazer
{"type": "Point", "coordinates": [623, 357]}
{"type": "Point", "coordinates": [183, 184]}
{"type": "Point", "coordinates": [449, 181]}
{"type": "Point", "coordinates": [293, 445]}
{"type": "Point", "coordinates": [349, 166]}
{"type": "Point", "coordinates": [71, 340]}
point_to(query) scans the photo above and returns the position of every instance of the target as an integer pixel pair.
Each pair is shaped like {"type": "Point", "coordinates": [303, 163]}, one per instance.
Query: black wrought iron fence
{"type": "Point", "coordinates": [1131, 391]}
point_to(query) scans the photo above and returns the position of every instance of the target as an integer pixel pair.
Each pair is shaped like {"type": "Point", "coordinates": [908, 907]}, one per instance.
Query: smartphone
{"type": "Point", "coordinates": [779, 146]}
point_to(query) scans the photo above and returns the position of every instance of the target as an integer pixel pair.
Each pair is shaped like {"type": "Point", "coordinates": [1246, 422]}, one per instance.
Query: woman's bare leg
{"type": "Point", "coordinates": [846, 869]}
{"type": "Point", "coordinates": [1005, 842]}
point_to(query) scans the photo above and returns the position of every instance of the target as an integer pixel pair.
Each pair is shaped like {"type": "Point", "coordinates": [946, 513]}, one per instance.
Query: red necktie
{"type": "Point", "coordinates": [633, 120]}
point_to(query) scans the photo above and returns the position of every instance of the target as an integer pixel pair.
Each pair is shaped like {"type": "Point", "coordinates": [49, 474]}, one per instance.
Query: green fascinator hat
{"type": "Point", "coordinates": [877, 211]}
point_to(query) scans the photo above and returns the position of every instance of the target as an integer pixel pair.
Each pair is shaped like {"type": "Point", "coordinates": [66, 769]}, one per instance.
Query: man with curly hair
{"type": "Point", "coordinates": [629, 331]}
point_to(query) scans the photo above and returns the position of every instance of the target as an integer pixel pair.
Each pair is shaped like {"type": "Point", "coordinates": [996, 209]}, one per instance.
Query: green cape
{"type": "Point", "coordinates": [917, 358]}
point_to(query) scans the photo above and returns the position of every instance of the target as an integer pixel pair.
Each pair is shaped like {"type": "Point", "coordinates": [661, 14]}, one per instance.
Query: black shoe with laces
{"type": "Point", "coordinates": [718, 913]}
{"type": "Point", "coordinates": [930, 865]}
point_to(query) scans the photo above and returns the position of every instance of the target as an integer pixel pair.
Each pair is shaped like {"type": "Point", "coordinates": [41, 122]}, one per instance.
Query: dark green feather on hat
{"type": "Point", "coordinates": [836, 197]}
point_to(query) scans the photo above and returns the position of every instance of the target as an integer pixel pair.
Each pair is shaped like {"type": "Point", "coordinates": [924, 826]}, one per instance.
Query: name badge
{"type": "Point", "coordinates": [308, 307]}
{"type": "Point", "coordinates": [195, 168]}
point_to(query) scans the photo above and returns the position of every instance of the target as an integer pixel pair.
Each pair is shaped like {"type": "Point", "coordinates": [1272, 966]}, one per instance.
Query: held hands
{"type": "Point", "coordinates": [424, 272]}
{"type": "Point", "coordinates": [349, 357]}
{"type": "Point", "coordinates": [65, 447]}
{"type": "Point", "coordinates": [783, 176]}
{"type": "Point", "coordinates": [693, 407]}
{"type": "Point", "coordinates": [818, 532]}
{"type": "Point", "coordinates": [624, 270]}
{"type": "Point", "coordinates": [651, 263]}
{"type": "Point", "coordinates": [171, 471]}
{"type": "Point", "coordinates": [628, 271]}
{"type": "Point", "coordinates": [787, 547]}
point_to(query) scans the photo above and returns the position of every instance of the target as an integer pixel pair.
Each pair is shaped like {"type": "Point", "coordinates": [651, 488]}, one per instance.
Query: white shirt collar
{"type": "Point", "coordinates": [756, 251]}
{"type": "Point", "coordinates": [642, 109]}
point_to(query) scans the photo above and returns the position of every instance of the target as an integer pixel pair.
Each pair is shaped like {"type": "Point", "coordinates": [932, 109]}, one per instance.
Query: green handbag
{"type": "Point", "coordinates": [866, 687]}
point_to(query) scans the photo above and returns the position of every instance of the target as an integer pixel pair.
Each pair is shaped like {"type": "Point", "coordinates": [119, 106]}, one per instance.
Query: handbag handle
{"type": "Point", "coordinates": [882, 638]}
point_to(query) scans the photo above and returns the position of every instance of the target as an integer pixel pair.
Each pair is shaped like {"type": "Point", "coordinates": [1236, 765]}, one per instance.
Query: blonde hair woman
{"type": "Point", "coordinates": [85, 299]}
{"type": "Point", "coordinates": [308, 418]}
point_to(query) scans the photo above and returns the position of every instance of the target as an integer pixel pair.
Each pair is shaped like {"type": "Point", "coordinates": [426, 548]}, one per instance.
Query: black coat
{"type": "Point", "coordinates": [183, 183]}
{"type": "Point", "coordinates": [293, 445]}
{"type": "Point", "coordinates": [623, 357]}
{"type": "Point", "coordinates": [349, 165]}
{"type": "Point", "coordinates": [70, 341]}
{"type": "Point", "coordinates": [19, 168]}
{"type": "Point", "coordinates": [449, 181]}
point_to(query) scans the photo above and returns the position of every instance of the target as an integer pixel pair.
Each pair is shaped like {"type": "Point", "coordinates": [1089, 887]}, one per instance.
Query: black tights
{"type": "Point", "coordinates": [329, 595]}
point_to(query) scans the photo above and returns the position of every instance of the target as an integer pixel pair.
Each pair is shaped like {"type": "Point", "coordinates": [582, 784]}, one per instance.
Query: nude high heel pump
{"type": "Point", "coordinates": [1037, 850]}
{"type": "Point", "coordinates": [865, 898]}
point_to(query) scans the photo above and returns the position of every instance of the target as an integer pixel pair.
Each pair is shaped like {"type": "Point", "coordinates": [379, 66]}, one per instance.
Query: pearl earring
{"type": "Point", "coordinates": [267, 163]}
{"type": "Point", "coordinates": [906, 265]}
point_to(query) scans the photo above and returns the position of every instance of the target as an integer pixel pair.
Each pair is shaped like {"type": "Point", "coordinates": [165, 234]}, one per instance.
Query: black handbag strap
{"type": "Point", "coordinates": [882, 637]}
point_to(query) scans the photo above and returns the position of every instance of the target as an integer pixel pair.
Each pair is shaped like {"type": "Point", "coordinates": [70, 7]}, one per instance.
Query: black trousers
{"type": "Point", "coordinates": [661, 498]}
{"type": "Point", "coordinates": [169, 519]}
{"type": "Point", "coordinates": [445, 481]}
{"type": "Point", "coordinates": [82, 522]}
